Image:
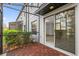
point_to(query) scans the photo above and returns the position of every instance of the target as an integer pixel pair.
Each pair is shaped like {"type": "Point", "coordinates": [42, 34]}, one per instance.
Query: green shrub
{"type": "Point", "coordinates": [9, 36]}
{"type": "Point", "coordinates": [17, 37]}
{"type": "Point", "coordinates": [23, 38]}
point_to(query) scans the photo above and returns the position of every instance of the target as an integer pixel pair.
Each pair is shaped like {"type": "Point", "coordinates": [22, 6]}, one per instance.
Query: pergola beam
{"type": "Point", "coordinates": [21, 5]}
{"type": "Point", "coordinates": [19, 10]}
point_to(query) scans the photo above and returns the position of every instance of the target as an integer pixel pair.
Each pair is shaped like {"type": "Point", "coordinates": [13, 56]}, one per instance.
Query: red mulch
{"type": "Point", "coordinates": [35, 49]}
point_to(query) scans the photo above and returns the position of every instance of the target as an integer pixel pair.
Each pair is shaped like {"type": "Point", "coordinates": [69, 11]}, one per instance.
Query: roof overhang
{"type": "Point", "coordinates": [48, 7]}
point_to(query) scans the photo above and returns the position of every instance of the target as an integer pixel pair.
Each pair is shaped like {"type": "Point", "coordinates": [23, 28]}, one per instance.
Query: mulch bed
{"type": "Point", "coordinates": [35, 49]}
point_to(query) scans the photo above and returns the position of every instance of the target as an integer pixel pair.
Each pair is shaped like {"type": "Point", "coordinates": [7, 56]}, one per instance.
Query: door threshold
{"type": "Point", "coordinates": [61, 50]}
{"type": "Point", "coordinates": [65, 52]}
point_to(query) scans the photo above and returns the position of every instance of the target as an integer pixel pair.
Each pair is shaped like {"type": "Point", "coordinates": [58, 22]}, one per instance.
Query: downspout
{"type": "Point", "coordinates": [28, 16]}
{"type": "Point", "coordinates": [39, 29]}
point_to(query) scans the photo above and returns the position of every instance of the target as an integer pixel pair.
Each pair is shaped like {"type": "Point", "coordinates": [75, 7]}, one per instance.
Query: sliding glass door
{"type": "Point", "coordinates": [65, 30]}
{"type": "Point", "coordinates": [49, 30]}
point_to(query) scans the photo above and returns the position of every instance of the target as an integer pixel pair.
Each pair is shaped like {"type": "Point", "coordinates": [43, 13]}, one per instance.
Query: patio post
{"type": "Point", "coordinates": [1, 26]}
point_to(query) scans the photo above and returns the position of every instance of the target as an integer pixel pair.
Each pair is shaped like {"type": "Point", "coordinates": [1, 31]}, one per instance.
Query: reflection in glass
{"type": "Point", "coordinates": [65, 30]}
{"type": "Point", "coordinates": [58, 21]}
{"type": "Point", "coordinates": [58, 26]}
{"type": "Point", "coordinates": [34, 27]}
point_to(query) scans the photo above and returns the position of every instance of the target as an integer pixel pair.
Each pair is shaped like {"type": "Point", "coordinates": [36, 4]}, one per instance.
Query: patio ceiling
{"type": "Point", "coordinates": [48, 7]}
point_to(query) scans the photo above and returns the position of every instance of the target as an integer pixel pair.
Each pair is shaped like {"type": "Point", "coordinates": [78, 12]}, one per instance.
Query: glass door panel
{"type": "Point", "coordinates": [49, 26]}
{"type": "Point", "coordinates": [58, 26]}
{"type": "Point", "coordinates": [65, 31]}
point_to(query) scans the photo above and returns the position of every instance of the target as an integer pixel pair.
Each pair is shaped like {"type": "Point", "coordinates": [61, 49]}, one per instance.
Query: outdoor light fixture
{"type": "Point", "coordinates": [51, 7]}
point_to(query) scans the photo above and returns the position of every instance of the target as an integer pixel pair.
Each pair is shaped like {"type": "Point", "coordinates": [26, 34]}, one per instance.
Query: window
{"type": "Point", "coordinates": [34, 27]}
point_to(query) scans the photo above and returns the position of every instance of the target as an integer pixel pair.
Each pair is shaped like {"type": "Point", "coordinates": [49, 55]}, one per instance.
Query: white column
{"type": "Point", "coordinates": [77, 29]}
{"type": "Point", "coordinates": [42, 33]}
